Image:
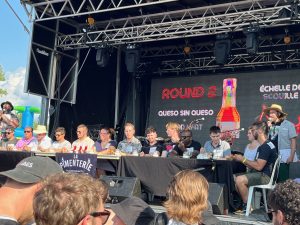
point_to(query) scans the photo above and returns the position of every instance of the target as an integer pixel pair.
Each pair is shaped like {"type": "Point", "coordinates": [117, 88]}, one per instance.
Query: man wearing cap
{"type": "Point", "coordinates": [20, 187]}
{"type": "Point", "coordinates": [283, 135]}
{"type": "Point", "coordinates": [7, 118]}
{"type": "Point", "coordinates": [28, 142]}
{"type": "Point", "coordinates": [9, 142]}
{"type": "Point", "coordinates": [44, 142]}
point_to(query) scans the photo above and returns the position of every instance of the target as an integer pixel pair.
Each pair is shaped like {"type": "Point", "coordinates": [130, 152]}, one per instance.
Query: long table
{"type": "Point", "coordinates": [155, 174]}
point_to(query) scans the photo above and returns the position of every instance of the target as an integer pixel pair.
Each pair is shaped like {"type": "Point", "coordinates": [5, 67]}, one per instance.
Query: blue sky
{"type": "Point", "coordinates": [14, 48]}
{"type": "Point", "coordinates": [14, 41]}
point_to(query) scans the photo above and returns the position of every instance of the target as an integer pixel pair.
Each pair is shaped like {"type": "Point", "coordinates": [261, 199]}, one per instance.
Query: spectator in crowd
{"type": "Point", "coordinates": [171, 145]}
{"type": "Point", "coordinates": [130, 145]}
{"type": "Point", "coordinates": [84, 144]}
{"type": "Point", "coordinates": [261, 167]}
{"type": "Point", "coordinates": [106, 141]}
{"type": "Point", "coordinates": [188, 145]}
{"type": "Point", "coordinates": [187, 198]}
{"type": "Point", "coordinates": [217, 147]}
{"type": "Point", "coordinates": [9, 142]}
{"type": "Point", "coordinates": [61, 144]}
{"type": "Point", "coordinates": [283, 135]}
{"type": "Point", "coordinates": [22, 183]}
{"type": "Point", "coordinates": [28, 142]}
{"type": "Point", "coordinates": [284, 201]}
{"type": "Point", "coordinates": [70, 199]}
{"type": "Point", "coordinates": [44, 142]}
{"type": "Point", "coordinates": [251, 148]}
{"type": "Point", "coordinates": [113, 218]}
{"type": "Point", "coordinates": [7, 118]}
{"type": "Point", "coordinates": [151, 147]}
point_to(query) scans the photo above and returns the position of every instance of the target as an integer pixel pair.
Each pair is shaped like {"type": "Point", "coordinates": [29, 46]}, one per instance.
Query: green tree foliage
{"type": "Point", "coordinates": [3, 91]}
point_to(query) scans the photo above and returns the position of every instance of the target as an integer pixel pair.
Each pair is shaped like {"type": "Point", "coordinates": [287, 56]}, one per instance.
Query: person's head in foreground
{"type": "Point", "coordinates": [187, 197]}
{"type": "Point", "coordinates": [22, 183]}
{"type": "Point", "coordinates": [284, 201]}
{"type": "Point", "coordinates": [70, 199]}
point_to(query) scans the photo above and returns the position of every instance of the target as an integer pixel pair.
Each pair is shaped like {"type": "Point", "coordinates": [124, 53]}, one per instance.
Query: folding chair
{"type": "Point", "coordinates": [264, 187]}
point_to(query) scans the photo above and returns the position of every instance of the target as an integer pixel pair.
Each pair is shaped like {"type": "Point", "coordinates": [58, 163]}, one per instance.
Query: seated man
{"type": "Point", "coordinates": [9, 142]}
{"type": "Point", "coordinates": [61, 144]}
{"type": "Point", "coordinates": [7, 118]}
{"type": "Point", "coordinates": [70, 199]}
{"type": "Point", "coordinates": [44, 142]}
{"type": "Point", "coordinates": [130, 145]}
{"type": "Point", "coordinates": [171, 145]}
{"type": "Point", "coordinates": [262, 166]}
{"type": "Point", "coordinates": [28, 142]}
{"type": "Point", "coordinates": [187, 144]}
{"type": "Point", "coordinates": [84, 144]}
{"type": "Point", "coordinates": [152, 147]}
{"type": "Point", "coordinates": [217, 147]}
{"type": "Point", "coordinates": [22, 183]}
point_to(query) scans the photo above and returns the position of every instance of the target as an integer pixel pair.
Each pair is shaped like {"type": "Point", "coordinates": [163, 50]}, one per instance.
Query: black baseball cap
{"type": "Point", "coordinates": [33, 169]}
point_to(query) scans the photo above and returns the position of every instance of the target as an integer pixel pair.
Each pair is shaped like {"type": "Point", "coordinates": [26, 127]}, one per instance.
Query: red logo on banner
{"type": "Point", "coordinates": [188, 92]}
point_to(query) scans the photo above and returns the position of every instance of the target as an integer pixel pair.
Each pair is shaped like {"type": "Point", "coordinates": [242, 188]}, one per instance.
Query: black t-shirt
{"type": "Point", "coordinates": [273, 133]}
{"type": "Point", "coordinates": [267, 151]}
{"type": "Point", "coordinates": [146, 148]}
{"type": "Point", "coordinates": [195, 144]}
{"type": "Point", "coordinates": [170, 146]}
{"type": "Point", "coordinates": [8, 222]}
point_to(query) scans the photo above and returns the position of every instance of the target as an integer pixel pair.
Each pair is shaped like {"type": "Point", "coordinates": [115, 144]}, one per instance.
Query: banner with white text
{"type": "Point", "coordinates": [232, 101]}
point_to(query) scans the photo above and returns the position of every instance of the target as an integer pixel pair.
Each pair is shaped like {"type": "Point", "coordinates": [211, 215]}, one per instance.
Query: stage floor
{"type": "Point", "coordinates": [255, 218]}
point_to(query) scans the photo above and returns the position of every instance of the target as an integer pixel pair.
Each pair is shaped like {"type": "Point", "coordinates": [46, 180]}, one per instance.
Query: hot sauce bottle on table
{"type": "Point", "coordinates": [228, 118]}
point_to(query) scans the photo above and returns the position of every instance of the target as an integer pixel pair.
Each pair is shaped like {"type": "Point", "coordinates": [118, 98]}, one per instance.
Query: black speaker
{"type": "Point", "coordinates": [222, 50]}
{"type": "Point", "coordinates": [132, 58]}
{"type": "Point", "coordinates": [121, 188]}
{"type": "Point", "coordinates": [102, 57]}
{"type": "Point", "coordinates": [216, 197]}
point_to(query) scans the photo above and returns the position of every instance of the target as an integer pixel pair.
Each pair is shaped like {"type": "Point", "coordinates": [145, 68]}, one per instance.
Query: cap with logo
{"type": "Point", "coordinates": [33, 169]}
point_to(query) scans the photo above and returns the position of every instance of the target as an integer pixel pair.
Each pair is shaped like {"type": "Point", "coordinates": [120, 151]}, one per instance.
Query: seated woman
{"type": "Point", "coordinates": [152, 147]}
{"type": "Point", "coordinates": [130, 145]}
{"type": "Point", "coordinates": [171, 145]}
{"type": "Point", "coordinates": [251, 148]}
{"type": "Point", "coordinates": [106, 145]}
{"type": "Point", "coordinates": [187, 198]}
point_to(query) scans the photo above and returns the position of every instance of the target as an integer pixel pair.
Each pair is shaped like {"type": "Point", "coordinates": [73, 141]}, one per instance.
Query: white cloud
{"type": "Point", "coordinates": [14, 84]}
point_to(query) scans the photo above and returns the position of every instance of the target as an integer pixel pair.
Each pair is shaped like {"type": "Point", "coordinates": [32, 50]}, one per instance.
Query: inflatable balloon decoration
{"type": "Point", "coordinates": [27, 118]}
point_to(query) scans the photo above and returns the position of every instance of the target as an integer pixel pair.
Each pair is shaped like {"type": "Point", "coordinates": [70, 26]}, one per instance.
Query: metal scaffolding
{"type": "Point", "coordinates": [272, 52]}
{"type": "Point", "coordinates": [200, 21]}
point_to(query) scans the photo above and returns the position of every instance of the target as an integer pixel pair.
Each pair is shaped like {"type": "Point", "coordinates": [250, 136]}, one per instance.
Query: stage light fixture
{"type": "Point", "coordinates": [287, 38]}
{"type": "Point", "coordinates": [90, 21]}
{"type": "Point", "coordinates": [187, 50]}
{"type": "Point", "coordinates": [222, 48]}
{"type": "Point", "coordinates": [132, 57]}
{"type": "Point", "coordinates": [252, 34]}
{"type": "Point", "coordinates": [102, 55]}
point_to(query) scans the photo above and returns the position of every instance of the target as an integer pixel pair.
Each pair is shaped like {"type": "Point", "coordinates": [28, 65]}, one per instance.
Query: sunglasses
{"type": "Point", "coordinates": [270, 213]}
{"type": "Point", "coordinates": [58, 135]}
{"type": "Point", "coordinates": [27, 131]}
{"type": "Point", "coordinates": [104, 215]}
{"type": "Point", "coordinates": [7, 132]}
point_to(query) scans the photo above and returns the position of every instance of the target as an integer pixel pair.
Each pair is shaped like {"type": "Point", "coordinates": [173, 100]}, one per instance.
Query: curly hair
{"type": "Point", "coordinates": [66, 199]}
{"type": "Point", "coordinates": [286, 198]}
{"type": "Point", "coordinates": [187, 197]}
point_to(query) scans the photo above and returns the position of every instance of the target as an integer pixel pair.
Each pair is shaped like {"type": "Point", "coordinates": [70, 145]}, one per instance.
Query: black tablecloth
{"type": "Point", "coordinates": [156, 173]}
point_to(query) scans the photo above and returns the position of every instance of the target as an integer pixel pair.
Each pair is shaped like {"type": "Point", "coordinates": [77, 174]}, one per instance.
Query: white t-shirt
{"type": "Point", "coordinates": [59, 145]}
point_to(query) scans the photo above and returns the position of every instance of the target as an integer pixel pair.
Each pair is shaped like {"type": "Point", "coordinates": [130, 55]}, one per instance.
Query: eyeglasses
{"type": "Point", "coordinates": [58, 135]}
{"type": "Point", "coordinates": [104, 215]}
{"type": "Point", "coordinates": [27, 131]}
{"type": "Point", "coordinates": [270, 213]}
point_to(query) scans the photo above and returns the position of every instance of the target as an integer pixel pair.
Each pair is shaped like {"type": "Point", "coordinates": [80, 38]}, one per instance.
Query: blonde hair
{"type": "Point", "coordinates": [173, 125]}
{"type": "Point", "coordinates": [129, 125]}
{"type": "Point", "coordinates": [187, 197]}
{"type": "Point", "coordinates": [67, 198]}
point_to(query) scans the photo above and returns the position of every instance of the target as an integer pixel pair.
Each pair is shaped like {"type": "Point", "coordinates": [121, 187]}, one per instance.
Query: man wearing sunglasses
{"type": "Point", "coordinates": [28, 142]}
{"type": "Point", "coordinates": [9, 142]}
{"type": "Point", "coordinates": [70, 199]}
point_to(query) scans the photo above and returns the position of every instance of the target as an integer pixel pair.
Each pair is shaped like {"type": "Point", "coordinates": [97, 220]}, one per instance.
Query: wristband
{"type": "Point", "coordinates": [244, 160]}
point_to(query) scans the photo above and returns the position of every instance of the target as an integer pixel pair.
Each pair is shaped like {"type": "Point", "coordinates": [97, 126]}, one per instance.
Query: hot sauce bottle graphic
{"type": "Point", "coordinates": [228, 118]}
